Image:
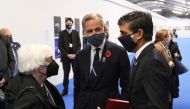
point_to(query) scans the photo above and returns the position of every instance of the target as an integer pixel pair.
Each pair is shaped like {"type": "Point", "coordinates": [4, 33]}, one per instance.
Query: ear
{"type": "Point", "coordinates": [140, 32]}
{"type": "Point", "coordinates": [40, 69]}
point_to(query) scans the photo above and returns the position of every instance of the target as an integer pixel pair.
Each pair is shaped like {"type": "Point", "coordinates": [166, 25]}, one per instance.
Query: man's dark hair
{"type": "Point", "coordinates": [69, 19]}
{"type": "Point", "coordinates": [139, 20]}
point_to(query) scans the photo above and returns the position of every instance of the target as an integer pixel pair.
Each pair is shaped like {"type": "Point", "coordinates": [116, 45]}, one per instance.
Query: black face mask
{"type": "Point", "coordinates": [127, 42]}
{"type": "Point", "coordinates": [68, 26]}
{"type": "Point", "coordinates": [52, 69]}
{"type": "Point", "coordinates": [96, 39]}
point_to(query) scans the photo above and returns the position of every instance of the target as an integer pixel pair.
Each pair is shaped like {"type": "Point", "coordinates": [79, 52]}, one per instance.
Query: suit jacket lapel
{"type": "Point", "coordinates": [87, 61]}
{"type": "Point", "coordinates": [146, 50]}
{"type": "Point", "coordinates": [73, 36]}
{"type": "Point", "coordinates": [66, 35]}
{"type": "Point", "coordinates": [133, 71]}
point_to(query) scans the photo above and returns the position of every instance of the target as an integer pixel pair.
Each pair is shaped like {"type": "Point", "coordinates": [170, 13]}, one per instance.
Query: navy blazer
{"type": "Point", "coordinates": [149, 81]}
{"type": "Point", "coordinates": [113, 68]}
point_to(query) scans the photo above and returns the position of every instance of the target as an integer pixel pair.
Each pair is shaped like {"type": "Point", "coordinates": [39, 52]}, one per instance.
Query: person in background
{"type": "Point", "coordinates": [7, 63]}
{"type": "Point", "coordinates": [84, 41]}
{"type": "Point", "coordinates": [161, 43]}
{"type": "Point", "coordinates": [150, 73]}
{"type": "Point", "coordinates": [99, 68]}
{"type": "Point", "coordinates": [14, 45]}
{"type": "Point", "coordinates": [106, 30]}
{"type": "Point", "coordinates": [173, 47]}
{"type": "Point", "coordinates": [30, 89]}
{"type": "Point", "coordinates": [175, 54]}
{"type": "Point", "coordinates": [69, 44]}
{"type": "Point", "coordinates": [174, 33]}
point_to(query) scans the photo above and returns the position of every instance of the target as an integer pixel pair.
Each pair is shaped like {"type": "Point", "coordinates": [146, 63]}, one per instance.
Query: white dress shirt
{"type": "Point", "coordinates": [69, 31]}
{"type": "Point", "coordinates": [93, 52]}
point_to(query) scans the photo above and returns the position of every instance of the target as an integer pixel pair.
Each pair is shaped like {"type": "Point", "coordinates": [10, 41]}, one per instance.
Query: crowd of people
{"type": "Point", "coordinates": [150, 81]}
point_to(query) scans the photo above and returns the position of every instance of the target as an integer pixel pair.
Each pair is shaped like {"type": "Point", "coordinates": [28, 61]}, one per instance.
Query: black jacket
{"type": "Point", "coordinates": [173, 47]}
{"type": "Point", "coordinates": [7, 60]}
{"type": "Point", "coordinates": [64, 40]}
{"type": "Point", "coordinates": [105, 86]}
{"type": "Point", "coordinates": [149, 81]}
{"type": "Point", "coordinates": [34, 98]}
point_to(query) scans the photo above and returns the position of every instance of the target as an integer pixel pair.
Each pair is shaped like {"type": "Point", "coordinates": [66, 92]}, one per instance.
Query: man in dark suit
{"type": "Point", "coordinates": [99, 67]}
{"type": "Point", "coordinates": [150, 74]}
{"type": "Point", "coordinates": [7, 63]}
{"type": "Point", "coordinates": [14, 46]}
{"type": "Point", "coordinates": [69, 44]}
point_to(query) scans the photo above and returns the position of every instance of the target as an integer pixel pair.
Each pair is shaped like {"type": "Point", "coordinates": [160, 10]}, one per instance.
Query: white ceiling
{"type": "Point", "coordinates": [167, 8]}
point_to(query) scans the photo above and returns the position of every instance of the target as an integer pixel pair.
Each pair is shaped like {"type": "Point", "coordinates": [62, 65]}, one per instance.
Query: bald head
{"type": "Point", "coordinates": [5, 32]}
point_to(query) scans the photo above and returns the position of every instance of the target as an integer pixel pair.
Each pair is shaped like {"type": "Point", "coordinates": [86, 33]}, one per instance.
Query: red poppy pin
{"type": "Point", "coordinates": [106, 56]}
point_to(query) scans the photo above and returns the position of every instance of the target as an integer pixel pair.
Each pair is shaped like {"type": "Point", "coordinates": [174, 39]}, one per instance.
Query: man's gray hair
{"type": "Point", "coordinates": [31, 56]}
{"type": "Point", "coordinates": [92, 16]}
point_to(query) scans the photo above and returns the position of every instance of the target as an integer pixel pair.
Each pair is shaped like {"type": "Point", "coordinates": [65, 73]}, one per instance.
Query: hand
{"type": "Point", "coordinates": [73, 56]}
{"type": "Point", "coordinates": [171, 64]}
{"type": "Point", "coordinates": [176, 55]}
{"type": "Point", "coordinates": [69, 56]}
{"type": "Point", "coordinates": [2, 82]}
{"type": "Point", "coordinates": [98, 107]}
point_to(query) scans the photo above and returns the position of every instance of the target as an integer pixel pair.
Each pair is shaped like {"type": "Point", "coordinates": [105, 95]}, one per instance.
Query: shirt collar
{"type": "Point", "coordinates": [69, 30]}
{"type": "Point", "coordinates": [141, 49]}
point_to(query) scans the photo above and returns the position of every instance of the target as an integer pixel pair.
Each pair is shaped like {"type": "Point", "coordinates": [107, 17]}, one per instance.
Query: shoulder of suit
{"type": "Point", "coordinates": [155, 54]}
{"type": "Point", "coordinates": [84, 50]}
{"type": "Point", "coordinates": [75, 31]}
{"type": "Point", "coordinates": [63, 31]}
{"type": "Point", "coordinates": [115, 46]}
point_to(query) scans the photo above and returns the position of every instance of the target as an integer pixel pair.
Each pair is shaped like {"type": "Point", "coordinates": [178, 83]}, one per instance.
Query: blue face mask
{"type": "Point", "coordinates": [96, 39]}
{"type": "Point", "coordinates": [127, 43]}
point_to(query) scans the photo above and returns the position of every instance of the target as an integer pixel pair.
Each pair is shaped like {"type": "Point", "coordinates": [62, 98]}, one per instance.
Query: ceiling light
{"type": "Point", "coordinates": [179, 9]}
{"type": "Point", "coordinates": [177, 12]}
{"type": "Point", "coordinates": [157, 2]}
{"type": "Point", "coordinates": [181, 1]}
{"type": "Point", "coordinates": [157, 10]}
{"type": "Point", "coordinates": [185, 9]}
{"type": "Point", "coordinates": [161, 0]}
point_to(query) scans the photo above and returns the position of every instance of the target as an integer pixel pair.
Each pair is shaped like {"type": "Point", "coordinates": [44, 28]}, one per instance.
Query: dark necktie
{"type": "Point", "coordinates": [95, 65]}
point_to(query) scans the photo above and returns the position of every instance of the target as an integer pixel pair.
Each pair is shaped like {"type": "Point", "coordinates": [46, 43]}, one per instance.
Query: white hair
{"type": "Point", "coordinates": [31, 56]}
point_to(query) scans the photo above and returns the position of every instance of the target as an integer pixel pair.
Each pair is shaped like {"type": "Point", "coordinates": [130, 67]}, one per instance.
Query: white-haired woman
{"type": "Point", "coordinates": [29, 89]}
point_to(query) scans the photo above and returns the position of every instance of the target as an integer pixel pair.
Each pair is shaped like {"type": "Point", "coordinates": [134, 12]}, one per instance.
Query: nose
{"type": "Point", "coordinates": [94, 32]}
